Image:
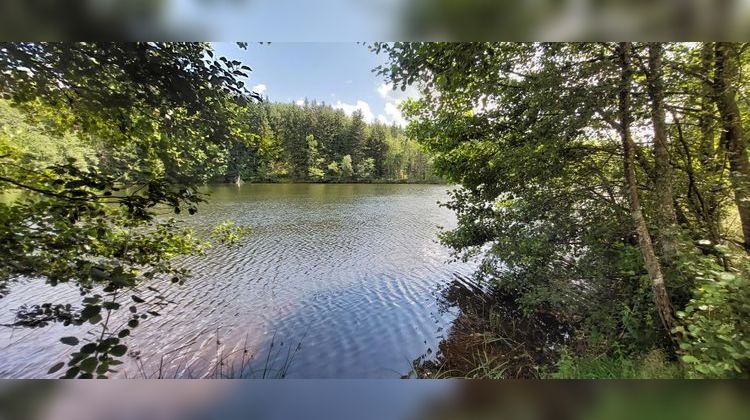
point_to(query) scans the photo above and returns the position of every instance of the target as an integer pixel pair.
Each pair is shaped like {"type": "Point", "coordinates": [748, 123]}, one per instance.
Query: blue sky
{"type": "Point", "coordinates": [339, 74]}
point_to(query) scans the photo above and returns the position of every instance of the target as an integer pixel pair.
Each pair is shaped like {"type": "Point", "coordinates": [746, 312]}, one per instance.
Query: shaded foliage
{"type": "Point", "coordinates": [152, 119]}
{"type": "Point", "coordinates": [532, 133]}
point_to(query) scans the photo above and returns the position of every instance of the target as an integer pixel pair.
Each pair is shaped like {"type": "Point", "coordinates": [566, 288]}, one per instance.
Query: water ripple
{"type": "Point", "coordinates": [347, 271]}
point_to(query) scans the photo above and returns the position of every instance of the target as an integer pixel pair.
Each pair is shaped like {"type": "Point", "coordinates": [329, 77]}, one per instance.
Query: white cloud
{"type": "Point", "coordinates": [382, 119]}
{"type": "Point", "coordinates": [385, 89]}
{"type": "Point", "coordinates": [361, 105]}
{"type": "Point", "coordinates": [392, 110]}
{"type": "Point", "coordinates": [260, 89]}
{"type": "Point", "coordinates": [393, 98]}
{"type": "Point", "coordinates": [387, 92]}
{"type": "Point", "coordinates": [300, 101]}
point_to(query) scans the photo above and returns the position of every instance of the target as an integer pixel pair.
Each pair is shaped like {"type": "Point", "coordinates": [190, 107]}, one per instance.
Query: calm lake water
{"type": "Point", "coordinates": [336, 281]}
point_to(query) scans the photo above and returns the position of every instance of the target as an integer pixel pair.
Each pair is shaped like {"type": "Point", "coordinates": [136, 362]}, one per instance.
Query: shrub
{"type": "Point", "coordinates": [715, 335]}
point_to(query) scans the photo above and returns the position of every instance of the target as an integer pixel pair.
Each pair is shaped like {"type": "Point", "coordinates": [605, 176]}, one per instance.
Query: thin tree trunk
{"type": "Point", "coordinates": [733, 136]}
{"type": "Point", "coordinates": [661, 298]}
{"type": "Point", "coordinates": [708, 156]}
{"type": "Point", "coordinates": [662, 169]}
{"type": "Point", "coordinates": [706, 119]}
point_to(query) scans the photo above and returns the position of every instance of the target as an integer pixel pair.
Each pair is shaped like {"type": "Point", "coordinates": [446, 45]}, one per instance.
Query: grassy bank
{"type": "Point", "coordinates": [492, 338]}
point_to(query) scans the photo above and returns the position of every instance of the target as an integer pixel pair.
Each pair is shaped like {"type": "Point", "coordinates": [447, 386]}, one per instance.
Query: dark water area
{"type": "Point", "coordinates": [336, 281]}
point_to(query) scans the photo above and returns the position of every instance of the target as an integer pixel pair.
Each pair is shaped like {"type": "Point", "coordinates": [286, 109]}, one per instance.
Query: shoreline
{"type": "Point", "coordinates": [382, 182]}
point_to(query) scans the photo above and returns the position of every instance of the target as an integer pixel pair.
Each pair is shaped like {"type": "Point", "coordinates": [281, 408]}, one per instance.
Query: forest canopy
{"type": "Point", "coordinates": [314, 142]}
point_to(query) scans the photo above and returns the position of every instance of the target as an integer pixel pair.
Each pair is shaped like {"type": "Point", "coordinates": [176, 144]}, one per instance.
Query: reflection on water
{"type": "Point", "coordinates": [347, 272]}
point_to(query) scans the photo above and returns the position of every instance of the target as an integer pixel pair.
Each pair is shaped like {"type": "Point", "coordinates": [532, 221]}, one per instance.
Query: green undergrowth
{"type": "Point", "coordinates": [652, 365]}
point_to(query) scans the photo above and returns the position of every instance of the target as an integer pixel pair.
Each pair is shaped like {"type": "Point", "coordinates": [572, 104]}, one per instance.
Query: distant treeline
{"type": "Point", "coordinates": [316, 143]}
{"type": "Point", "coordinates": [270, 142]}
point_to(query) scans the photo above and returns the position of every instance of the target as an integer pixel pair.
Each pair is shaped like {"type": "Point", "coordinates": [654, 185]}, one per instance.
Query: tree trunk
{"type": "Point", "coordinates": [706, 120]}
{"type": "Point", "coordinates": [733, 136]}
{"type": "Point", "coordinates": [709, 158]}
{"type": "Point", "coordinates": [661, 298]}
{"type": "Point", "coordinates": [662, 169]}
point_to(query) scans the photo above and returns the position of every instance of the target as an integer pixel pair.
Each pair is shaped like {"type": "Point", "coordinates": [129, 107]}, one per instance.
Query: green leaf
{"type": "Point", "coordinates": [90, 311]}
{"type": "Point", "coordinates": [71, 373]}
{"type": "Point", "coordinates": [88, 348]}
{"type": "Point", "coordinates": [56, 367]}
{"type": "Point", "coordinates": [690, 359]}
{"type": "Point", "coordinates": [119, 350]}
{"type": "Point", "coordinates": [102, 368]}
{"type": "Point", "coordinates": [88, 365]}
{"type": "Point", "coordinates": [111, 305]}
{"type": "Point", "coordinates": [71, 341]}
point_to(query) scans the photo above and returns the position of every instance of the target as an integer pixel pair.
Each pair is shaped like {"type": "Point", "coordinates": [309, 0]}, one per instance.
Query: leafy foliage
{"type": "Point", "coordinates": [229, 233]}
{"type": "Point", "coordinates": [715, 334]}
{"type": "Point", "coordinates": [147, 123]}
{"type": "Point", "coordinates": [531, 132]}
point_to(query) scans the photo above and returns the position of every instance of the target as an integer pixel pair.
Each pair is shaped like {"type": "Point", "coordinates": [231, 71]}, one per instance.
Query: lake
{"type": "Point", "coordinates": [336, 281]}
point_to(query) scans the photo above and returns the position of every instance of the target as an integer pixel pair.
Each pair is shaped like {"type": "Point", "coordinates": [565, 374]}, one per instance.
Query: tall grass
{"type": "Point", "coordinates": [238, 364]}
{"type": "Point", "coordinates": [652, 365]}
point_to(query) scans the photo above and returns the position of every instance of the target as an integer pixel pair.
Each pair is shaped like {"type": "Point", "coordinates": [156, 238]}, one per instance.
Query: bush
{"type": "Point", "coordinates": [715, 335]}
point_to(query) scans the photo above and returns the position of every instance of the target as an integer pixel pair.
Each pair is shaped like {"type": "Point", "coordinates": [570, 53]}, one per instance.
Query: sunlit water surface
{"type": "Point", "coordinates": [336, 281]}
